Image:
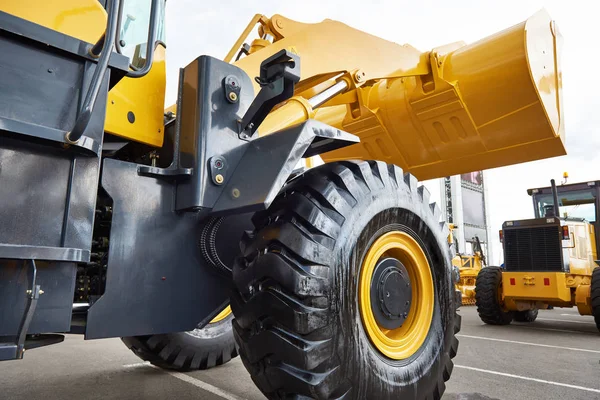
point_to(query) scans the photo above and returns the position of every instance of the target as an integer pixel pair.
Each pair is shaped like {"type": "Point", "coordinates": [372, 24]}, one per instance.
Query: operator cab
{"type": "Point", "coordinates": [578, 201]}
{"type": "Point", "coordinates": [578, 206]}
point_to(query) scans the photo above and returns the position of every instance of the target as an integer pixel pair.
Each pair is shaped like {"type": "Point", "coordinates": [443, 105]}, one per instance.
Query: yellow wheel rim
{"type": "Point", "coordinates": [222, 315]}
{"type": "Point", "coordinates": [403, 342]}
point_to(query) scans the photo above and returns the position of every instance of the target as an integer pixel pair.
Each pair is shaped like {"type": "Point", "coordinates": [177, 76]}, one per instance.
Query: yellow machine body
{"type": "Point", "coordinates": [141, 99]}
{"type": "Point", "coordinates": [144, 98]}
{"type": "Point", "coordinates": [454, 109]}
{"type": "Point", "coordinates": [526, 290]}
{"type": "Point", "coordinates": [468, 267]}
{"type": "Point", "coordinates": [82, 19]}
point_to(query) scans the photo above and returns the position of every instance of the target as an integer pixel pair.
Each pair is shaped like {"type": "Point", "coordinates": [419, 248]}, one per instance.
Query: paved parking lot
{"type": "Point", "coordinates": [556, 357]}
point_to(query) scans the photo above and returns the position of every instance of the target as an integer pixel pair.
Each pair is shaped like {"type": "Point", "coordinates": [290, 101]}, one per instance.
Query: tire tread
{"type": "Point", "coordinates": [300, 336]}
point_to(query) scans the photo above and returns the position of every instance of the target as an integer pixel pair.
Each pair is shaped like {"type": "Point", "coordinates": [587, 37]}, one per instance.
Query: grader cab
{"type": "Point", "coordinates": [549, 261]}
{"type": "Point", "coordinates": [342, 279]}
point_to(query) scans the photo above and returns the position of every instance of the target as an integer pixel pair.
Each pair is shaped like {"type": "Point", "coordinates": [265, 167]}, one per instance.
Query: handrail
{"type": "Point", "coordinates": [103, 49]}
{"type": "Point", "coordinates": [106, 41]}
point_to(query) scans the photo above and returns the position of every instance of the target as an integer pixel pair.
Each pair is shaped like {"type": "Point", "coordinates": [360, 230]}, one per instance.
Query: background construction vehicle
{"type": "Point", "coordinates": [549, 261]}
{"type": "Point", "coordinates": [468, 269]}
{"type": "Point", "coordinates": [344, 275]}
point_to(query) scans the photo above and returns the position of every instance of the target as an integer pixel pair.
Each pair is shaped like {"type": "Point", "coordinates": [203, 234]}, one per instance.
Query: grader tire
{"type": "Point", "coordinates": [296, 298]}
{"type": "Point", "coordinates": [199, 349]}
{"type": "Point", "coordinates": [526, 316]}
{"type": "Point", "coordinates": [595, 291]}
{"type": "Point", "coordinates": [487, 290]}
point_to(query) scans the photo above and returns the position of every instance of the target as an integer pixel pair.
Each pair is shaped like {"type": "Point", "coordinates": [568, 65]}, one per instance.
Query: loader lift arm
{"type": "Point", "coordinates": [441, 102]}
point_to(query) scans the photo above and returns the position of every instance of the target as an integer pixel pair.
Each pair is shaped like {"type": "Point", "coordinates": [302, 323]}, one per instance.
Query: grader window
{"type": "Point", "coordinates": [576, 204]}
{"type": "Point", "coordinates": [135, 22]}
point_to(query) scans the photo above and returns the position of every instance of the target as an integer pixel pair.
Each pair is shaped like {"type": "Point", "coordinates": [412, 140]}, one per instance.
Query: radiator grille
{"type": "Point", "coordinates": [533, 249]}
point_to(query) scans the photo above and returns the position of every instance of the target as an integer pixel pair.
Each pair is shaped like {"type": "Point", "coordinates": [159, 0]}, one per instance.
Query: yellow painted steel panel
{"type": "Point", "coordinates": [82, 19]}
{"type": "Point", "coordinates": [145, 98]}
{"type": "Point", "coordinates": [530, 286]}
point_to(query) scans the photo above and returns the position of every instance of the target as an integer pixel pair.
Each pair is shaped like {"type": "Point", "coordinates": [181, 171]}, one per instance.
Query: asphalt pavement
{"type": "Point", "coordinates": [555, 358]}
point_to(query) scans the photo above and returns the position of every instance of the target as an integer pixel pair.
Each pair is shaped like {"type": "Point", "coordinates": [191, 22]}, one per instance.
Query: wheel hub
{"type": "Point", "coordinates": [391, 293]}
{"type": "Point", "coordinates": [394, 271]}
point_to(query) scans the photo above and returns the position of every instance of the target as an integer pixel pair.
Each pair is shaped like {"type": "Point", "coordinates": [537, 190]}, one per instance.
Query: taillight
{"type": "Point", "coordinates": [501, 234]}
{"type": "Point", "coordinates": [565, 232]}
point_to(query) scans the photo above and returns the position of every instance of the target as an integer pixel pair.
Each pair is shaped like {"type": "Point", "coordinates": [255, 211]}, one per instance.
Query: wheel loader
{"type": "Point", "coordinates": [121, 219]}
{"type": "Point", "coordinates": [550, 261]}
{"type": "Point", "coordinates": [468, 267]}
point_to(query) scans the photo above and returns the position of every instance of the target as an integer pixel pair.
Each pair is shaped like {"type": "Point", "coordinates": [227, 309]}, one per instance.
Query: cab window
{"type": "Point", "coordinates": [135, 22]}
{"type": "Point", "coordinates": [575, 204]}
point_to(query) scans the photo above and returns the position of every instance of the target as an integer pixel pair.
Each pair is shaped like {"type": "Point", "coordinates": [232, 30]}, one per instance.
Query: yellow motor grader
{"type": "Point", "coordinates": [118, 219]}
{"type": "Point", "coordinates": [549, 261]}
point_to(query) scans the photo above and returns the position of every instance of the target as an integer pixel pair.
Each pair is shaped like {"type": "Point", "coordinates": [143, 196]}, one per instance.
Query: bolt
{"type": "Point", "coordinates": [359, 76]}
{"type": "Point", "coordinates": [219, 164]}
{"type": "Point", "coordinates": [219, 178]}
{"type": "Point", "coordinates": [41, 291]}
{"type": "Point", "coordinates": [279, 23]}
{"type": "Point", "coordinates": [233, 96]}
{"type": "Point", "coordinates": [122, 43]}
{"type": "Point", "coordinates": [164, 278]}
{"type": "Point", "coordinates": [50, 70]}
{"type": "Point", "coordinates": [235, 193]}
{"type": "Point", "coordinates": [387, 294]}
{"type": "Point", "coordinates": [28, 291]}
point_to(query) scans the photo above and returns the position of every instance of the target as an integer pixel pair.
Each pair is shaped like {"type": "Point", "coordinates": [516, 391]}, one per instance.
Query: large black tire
{"type": "Point", "coordinates": [526, 316]}
{"type": "Point", "coordinates": [298, 322]}
{"type": "Point", "coordinates": [595, 290]}
{"type": "Point", "coordinates": [487, 287]}
{"type": "Point", "coordinates": [199, 349]}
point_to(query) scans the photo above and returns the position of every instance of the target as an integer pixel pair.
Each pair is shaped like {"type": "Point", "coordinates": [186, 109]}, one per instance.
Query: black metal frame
{"type": "Point", "coordinates": [165, 251]}
{"type": "Point", "coordinates": [278, 75]}
{"type": "Point", "coordinates": [48, 185]}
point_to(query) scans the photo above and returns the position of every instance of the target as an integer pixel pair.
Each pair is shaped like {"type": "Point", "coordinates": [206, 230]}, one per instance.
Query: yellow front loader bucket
{"type": "Point", "coordinates": [492, 103]}
{"type": "Point", "coordinates": [454, 109]}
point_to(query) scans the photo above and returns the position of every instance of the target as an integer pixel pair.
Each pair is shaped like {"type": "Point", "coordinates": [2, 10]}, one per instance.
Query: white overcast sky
{"type": "Point", "coordinates": [196, 27]}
